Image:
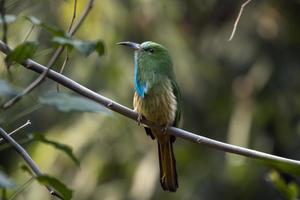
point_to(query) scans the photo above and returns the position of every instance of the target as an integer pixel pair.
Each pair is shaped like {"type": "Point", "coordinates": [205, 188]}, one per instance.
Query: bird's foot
{"type": "Point", "coordinates": [139, 119]}
{"type": "Point", "coordinates": [164, 129]}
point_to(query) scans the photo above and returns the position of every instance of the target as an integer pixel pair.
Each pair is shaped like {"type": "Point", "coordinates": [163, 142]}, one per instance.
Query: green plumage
{"type": "Point", "coordinates": [157, 98]}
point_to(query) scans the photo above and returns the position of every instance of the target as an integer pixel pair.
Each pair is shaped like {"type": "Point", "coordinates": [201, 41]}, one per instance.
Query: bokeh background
{"type": "Point", "coordinates": [245, 92]}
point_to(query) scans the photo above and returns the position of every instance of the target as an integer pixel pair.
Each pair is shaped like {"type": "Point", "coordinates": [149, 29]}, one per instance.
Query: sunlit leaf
{"type": "Point", "coordinates": [21, 52]}
{"type": "Point", "coordinates": [84, 47]}
{"type": "Point", "coordinates": [53, 30]}
{"type": "Point", "coordinates": [62, 147]}
{"type": "Point", "coordinates": [66, 102]}
{"type": "Point", "coordinates": [289, 190]}
{"type": "Point", "coordinates": [57, 185]}
{"type": "Point", "coordinates": [8, 19]}
{"type": "Point", "coordinates": [5, 182]}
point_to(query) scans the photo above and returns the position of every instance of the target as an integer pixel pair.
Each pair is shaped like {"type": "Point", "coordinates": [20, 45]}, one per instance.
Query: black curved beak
{"type": "Point", "coordinates": [131, 45]}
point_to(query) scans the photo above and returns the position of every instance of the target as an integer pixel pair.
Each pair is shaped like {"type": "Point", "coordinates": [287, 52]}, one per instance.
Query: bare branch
{"type": "Point", "coordinates": [26, 157]}
{"type": "Point", "coordinates": [238, 19]}
{"type": "Point", "coordinates": [63, 67]}
{"type": "Point", "coordinates": [87, 10]}
{"type": "Point", "coordinates": [73, 17]}
{"type": "Point", "coordinates": [21, 127]}
{"type": "Point", "coordinates": [29, 32]}
{"type": "Point", "coordinates": [53, 59]}
{"type": "Point", "coordinates": [114, 106]}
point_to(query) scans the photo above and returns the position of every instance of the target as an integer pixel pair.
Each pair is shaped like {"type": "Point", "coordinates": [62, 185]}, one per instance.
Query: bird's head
{"type": "Point", "coordinates": [149, 53]}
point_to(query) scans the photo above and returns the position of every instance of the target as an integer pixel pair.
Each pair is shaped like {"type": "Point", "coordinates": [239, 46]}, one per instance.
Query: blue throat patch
{"type": "Point", "coordinates": [140, 89]}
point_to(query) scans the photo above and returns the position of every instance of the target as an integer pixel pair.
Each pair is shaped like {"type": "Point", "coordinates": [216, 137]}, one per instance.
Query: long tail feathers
{"type": "Point", "coordinates": [167, 164]}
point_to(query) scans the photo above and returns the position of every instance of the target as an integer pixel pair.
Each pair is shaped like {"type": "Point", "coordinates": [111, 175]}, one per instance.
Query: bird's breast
{"type": "Point", "coordinates": [158, 105]}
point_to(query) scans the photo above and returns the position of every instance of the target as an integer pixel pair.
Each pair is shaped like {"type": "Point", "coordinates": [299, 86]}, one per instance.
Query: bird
{"type": "Point", "coordinates": [157, 99]}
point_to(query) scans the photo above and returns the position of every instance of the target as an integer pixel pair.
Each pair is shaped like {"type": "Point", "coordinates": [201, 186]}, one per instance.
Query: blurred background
{"type": "Point", "coordinates": [244, 92]}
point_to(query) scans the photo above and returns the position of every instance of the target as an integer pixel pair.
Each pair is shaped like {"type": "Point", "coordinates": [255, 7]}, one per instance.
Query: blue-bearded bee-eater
{"type": "Point", "coordinates": [157, 98]}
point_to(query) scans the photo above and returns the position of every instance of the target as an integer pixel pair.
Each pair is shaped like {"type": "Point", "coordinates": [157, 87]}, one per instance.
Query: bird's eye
{"type": "Point", "coordinates": [149, 50]}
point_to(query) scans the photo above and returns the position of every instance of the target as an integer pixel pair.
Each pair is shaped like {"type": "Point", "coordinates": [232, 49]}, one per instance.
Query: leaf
{"type": "Point", "coordinates": [5, 182]}
{"type": "Point", "coordinates": [21, 53]}
{"type": "Point", "coordinates": [8, 19]}
{"type": "Point", "coordinates": [51, 29]}
{"type": "Point", "coordinates": [57, 185]}
{"type": "Point", "coordinates": [65, 103]}
{"type": "Point", "coordinates": [6, 90]}
{"type": "Point", "coordinates": [288, 190]}
{"type": "Point", "coordinates": [288, 168]}
{"type": "Point", "coordinates": [65, 148]}
{"type": "Point", "coordinates": [84, 47]}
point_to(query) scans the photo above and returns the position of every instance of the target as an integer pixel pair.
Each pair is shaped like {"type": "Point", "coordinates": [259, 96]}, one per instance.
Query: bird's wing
{"type": "Point", "coordinates": [177, 94]}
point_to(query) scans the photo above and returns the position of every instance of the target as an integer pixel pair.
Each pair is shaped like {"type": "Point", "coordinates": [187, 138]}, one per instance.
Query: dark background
{"type": "Point", "coordinates": [245, 92]}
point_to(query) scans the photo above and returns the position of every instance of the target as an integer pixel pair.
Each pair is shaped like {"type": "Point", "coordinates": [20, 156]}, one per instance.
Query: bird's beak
{"type": "Point", "coordinates": [131, 45]}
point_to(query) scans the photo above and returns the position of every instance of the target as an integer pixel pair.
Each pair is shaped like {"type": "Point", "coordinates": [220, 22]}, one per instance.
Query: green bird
{"type": "Point", "coordinates": [157, 98]}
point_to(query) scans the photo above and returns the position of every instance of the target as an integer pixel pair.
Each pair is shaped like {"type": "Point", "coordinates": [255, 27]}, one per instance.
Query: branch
{"type": "Point", "coordinates": [54, 58]}
{"type": "Point", "coordinates": [21, 127]}
{"type": "Point", "coordinates": [114, 106]}
{"type": "Point", "coordinates": [26, 157]}
{"type": "Point", "coordinates": [238, 19]}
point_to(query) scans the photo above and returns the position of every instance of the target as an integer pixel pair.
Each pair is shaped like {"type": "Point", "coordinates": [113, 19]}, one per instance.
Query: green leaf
{"type": "Point", "coordinates": [51, 29]}
{"type": "Point", "coordinates": [65, 148]}
{"type": "Point", "coordinates": [8, 19]}
{"type": "Point", "coordinates": [57, 185]}
{"type": "Point", "coordinates": [288, 190]}
{"type": "Point", "coordinates": [5, 182]}
{"type": "Point", "coordinates": [21, 53]}
{"type": "Point", "coordinates": [66, 102]}
{"type": "Point", "coordinates": [84, 47]}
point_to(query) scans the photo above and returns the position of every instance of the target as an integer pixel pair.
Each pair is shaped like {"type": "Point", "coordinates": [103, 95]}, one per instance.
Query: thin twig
{"type": "Point", "coordinates": [67, 53]}
{"type": "Point", "coordinates": [19, 128]}
{"type": "Point", "coordinates": [29, 32]}
{"type": "Point", "coordinates": [238, 19]}
{"type": "Point", "coordinates": [21, 188]}
{"type": "Point", "coordinates": [53, 59]}
{"type": "Point", "coordinates": [114, 106]}
{"type": "Point", "coordinates": [26, 157]}
{"type": "Point", "coordinates": [73, 17]}
{"type": "Point", "coordinates": [87, 10]}
{"type": "Point", "coordinates": [63, 67]}
{"type": "Point", "coordinates": [4, 24]}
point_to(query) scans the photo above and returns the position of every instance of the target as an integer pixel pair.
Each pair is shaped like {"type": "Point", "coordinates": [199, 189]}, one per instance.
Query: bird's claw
{"type": "Point", "coordinates": [164, 129]}
{"type": "Point", "coordinates": [139, 119]}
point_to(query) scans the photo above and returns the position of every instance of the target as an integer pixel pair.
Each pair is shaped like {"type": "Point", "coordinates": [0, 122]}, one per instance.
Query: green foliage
{"type": "Point", "coordinates": [221, 82]}
{"type": "Point", "coordinates": [65, 102]}
{"type": "Point", "coordinates": [59, 146]}
{"type": "Point", "coordinates": [21, 53]}
{"type": "Point", "coordinates": [290, 191]}
{"type": "Point", "coordinates": [5, 182]}
{"type": "Point", "coordinates": [8, 19]}
{"type": "Point", "coordinates": [51, 29]}
{"type": "Point", "coordinates": [287, 168]}
{"type": "Point", "coordinates": [84, 47]}
{"type": "Point", "coordinates": [57, 185]}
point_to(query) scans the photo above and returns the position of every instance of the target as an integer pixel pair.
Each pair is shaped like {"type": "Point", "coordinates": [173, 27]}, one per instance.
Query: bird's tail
{"type": "Point", "coordinates": [167, 164]}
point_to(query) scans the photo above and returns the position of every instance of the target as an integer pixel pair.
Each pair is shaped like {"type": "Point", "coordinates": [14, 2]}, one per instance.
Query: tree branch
{"type": "Point", "coordinates": [238, 19]}
{"type": "Point", "coordinates": [114, 106]}
{"type": "Point", "coordinates": [19, 128]}
{"type": "Point", "coordinates": [57, 53]}
{"type": "Point", "coordinates": [26, 157]}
